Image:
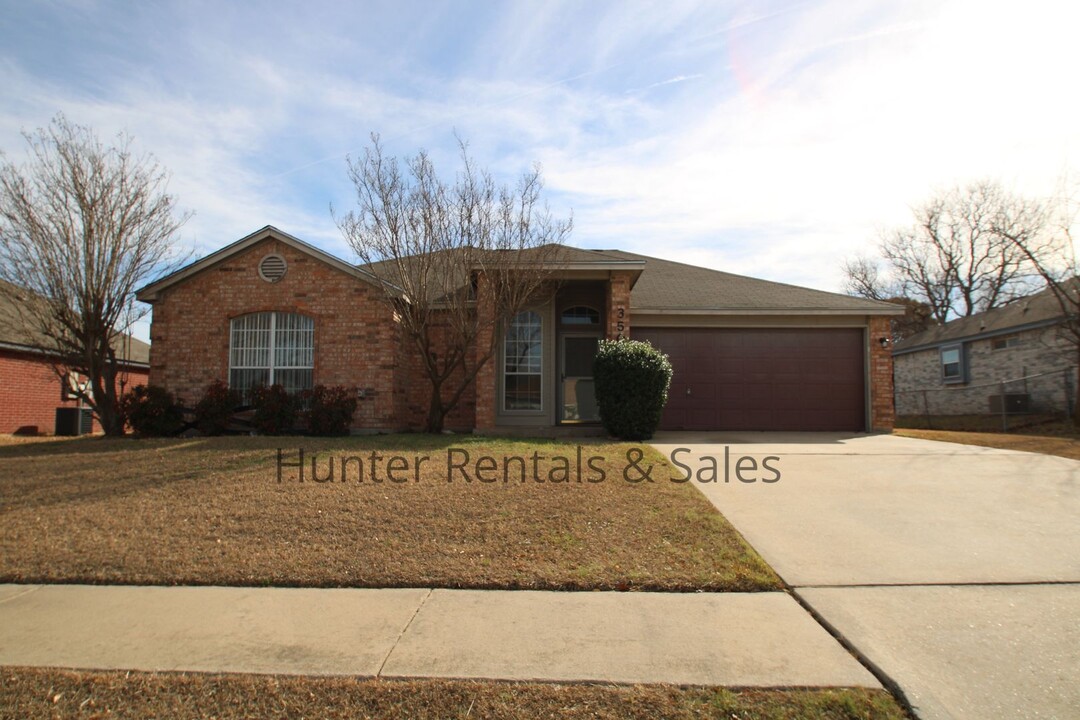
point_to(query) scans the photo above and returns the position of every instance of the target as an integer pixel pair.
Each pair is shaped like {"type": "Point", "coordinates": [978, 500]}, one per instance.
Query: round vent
{"type": "Point", "coordinates": [272, 268]}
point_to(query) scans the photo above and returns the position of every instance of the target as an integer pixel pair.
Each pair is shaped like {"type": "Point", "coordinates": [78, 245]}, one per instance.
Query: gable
{"type": "Point", "coordinates": [226, 257]}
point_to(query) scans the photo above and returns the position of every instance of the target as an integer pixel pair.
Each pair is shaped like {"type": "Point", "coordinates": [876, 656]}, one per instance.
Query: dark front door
{"type": "Point", "coordinates": [763, 378]}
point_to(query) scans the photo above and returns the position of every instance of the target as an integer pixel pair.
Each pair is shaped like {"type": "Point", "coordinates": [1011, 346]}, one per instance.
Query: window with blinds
{"type": "Point", "coordinates": [271, 349]}
{"type": "Point", "coordinates": [523, 358]}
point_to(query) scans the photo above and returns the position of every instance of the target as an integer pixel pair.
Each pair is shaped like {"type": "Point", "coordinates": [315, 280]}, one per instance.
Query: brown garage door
{"type": "Point", "coordinates": [763, 379]}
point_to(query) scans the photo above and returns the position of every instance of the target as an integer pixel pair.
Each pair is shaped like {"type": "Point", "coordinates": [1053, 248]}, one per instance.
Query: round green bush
{"type": "Point", "coordinates": [632, 380]}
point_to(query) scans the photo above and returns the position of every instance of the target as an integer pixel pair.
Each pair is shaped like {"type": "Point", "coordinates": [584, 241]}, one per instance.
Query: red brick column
{"type": "Point", "coordinates": [618, 305]}
{"type": "Point", "coordinates": [882, 409]}
{"type": "Point", "coordinates": [486, 376]}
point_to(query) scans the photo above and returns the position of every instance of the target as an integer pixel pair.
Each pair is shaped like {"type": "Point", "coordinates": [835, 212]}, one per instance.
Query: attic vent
{"type": "Point", "coordinates": [272, 268]}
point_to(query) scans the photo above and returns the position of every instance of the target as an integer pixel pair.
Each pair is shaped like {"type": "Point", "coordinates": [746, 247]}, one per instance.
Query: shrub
{"type": "Point", "coordinates": [276, 411]}
{"type": "Point", "coordinates": [632, 380]}
{"type": "Point", "coordinates": [215, 409]}
{"type": "Point", "coordinates": [152, 411]}
{"type": "Point", "coordinates": [330, 409]}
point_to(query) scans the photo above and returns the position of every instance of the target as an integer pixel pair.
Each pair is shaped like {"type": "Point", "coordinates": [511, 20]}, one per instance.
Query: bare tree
{"type": "Point", "coordinates": [82, 225]}
{"type": "Point", "coordinates": [442, 250]}
{"type": "Point", "coordinates": [954, 258]}
{"type": "Point", "coordinates": [1043, 233]}
{"type": "Point", "coordinates": [864, 278]}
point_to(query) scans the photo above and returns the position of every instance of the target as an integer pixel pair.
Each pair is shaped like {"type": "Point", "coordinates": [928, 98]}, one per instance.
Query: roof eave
{"type": "Point", "coordinates": [764, 311]}
{"type": "Point", "coordinates": [33, 350]}
{"type": "Point", "coordinates": [982, 335]}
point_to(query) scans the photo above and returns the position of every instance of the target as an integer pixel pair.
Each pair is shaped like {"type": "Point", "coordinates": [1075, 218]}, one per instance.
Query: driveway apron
{"type": "Point", "coordinates": [953, 569]}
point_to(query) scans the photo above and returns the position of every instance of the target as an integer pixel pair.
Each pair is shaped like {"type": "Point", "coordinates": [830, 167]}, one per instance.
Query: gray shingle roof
{"type": "Point", "coordinates": [661, 286]}
{"type": "Point", "coordinates": [12, 332]}
{"type": "Point", "coordinates": [1036, 310]}
{"type": "Point", "coordinates": [666, 285]}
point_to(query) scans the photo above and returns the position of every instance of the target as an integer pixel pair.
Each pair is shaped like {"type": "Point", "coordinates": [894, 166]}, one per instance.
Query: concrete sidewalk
{"type": "Point", "coordinates": [735, 639]}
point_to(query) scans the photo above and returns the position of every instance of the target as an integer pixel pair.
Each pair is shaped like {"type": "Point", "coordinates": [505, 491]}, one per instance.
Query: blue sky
{"type": "Point", "coordinates": [771, 139]}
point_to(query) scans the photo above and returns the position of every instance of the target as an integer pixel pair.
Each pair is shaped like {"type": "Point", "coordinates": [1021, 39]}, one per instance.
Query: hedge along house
{"type": "Point", "coordinates": [748, 354]}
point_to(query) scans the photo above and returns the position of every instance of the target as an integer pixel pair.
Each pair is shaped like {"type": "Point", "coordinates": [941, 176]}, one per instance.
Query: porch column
{"type": "Point", "coordinates": [618, 305]}
{"type": "Point", "coordinates": [486, 376]}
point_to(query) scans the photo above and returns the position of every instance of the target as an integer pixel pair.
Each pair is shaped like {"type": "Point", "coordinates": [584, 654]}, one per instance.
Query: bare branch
{"type": "Point", "coordinates": [441, 248]}
{"type": "Point", "coordinates": [82, 225]}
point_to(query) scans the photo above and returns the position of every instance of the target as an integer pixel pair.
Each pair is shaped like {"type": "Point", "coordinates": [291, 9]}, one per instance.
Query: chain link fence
{"type": "Point", "coordinates": [992, 406]}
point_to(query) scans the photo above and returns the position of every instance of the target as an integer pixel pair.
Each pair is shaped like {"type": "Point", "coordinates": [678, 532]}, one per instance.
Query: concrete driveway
{"type": "Point", "coordinates": [954, 569]}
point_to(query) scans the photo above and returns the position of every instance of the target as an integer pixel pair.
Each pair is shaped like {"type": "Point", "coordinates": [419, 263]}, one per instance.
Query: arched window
{"type": "Point", "coordinates": [523, 363]}
{"type": "Point", "coordinates": [271, 349]}
{"type": "Point", "coordinates": [580, 315]}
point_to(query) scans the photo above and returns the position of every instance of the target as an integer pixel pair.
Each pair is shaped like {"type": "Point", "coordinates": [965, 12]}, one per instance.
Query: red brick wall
{"type": "Point", "coordinates": [413, 392]}
{"type": "Point", "coordinates": [882, 411]}
{"type": "Point", "coordinates": [30, 393]}
{"type": "Point", "coordinates": [356, 339]}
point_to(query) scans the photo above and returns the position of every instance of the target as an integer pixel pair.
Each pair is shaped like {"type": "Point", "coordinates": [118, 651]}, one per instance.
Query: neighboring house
{"type": "Point", "coordinates": [957, 368]}
{"type": "Point", "coordinates": [30, 388]}
{"type": "Point", "coordinates": [748, 354]}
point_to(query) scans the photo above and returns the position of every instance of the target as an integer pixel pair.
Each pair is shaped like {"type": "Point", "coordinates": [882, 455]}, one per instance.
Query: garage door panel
{"type": "Point", "coordinates": [763, 379]}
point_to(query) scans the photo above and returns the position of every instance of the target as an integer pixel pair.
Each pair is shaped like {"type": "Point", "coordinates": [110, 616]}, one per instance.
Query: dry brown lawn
{"type": "Point", "coordinates": [211, 511]}
{"type": "Point", "coordinates": [32, 693]}
{"type": "Point", "coordinates": [1059, 439]}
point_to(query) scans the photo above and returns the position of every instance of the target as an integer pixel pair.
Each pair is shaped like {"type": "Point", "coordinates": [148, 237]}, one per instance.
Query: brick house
{"type": "Point", "coordinates": [958, 368]}
{"type": "Point", "coordinates": [31, 389]}
{"type": "Point", "coordinates": [748, 354]}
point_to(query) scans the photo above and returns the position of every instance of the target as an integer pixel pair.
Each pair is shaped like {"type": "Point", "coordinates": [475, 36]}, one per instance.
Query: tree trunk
{"type": "Point", "coordinates": [110, 418]}
{"type": "Point", "coordinates": [436, 412]}
{"type": "Point", "coordinates": [107, 404]}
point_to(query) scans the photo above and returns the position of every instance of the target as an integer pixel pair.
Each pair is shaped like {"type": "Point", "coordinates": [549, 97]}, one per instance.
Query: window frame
{"type": "Point", "coordinates": [590, 312]}
{"type": "Point", "coordinates": [302, 329]}
{"type": "Point", "coordinates": [1007, 341]}
{"type": "Point", "coordinates": [961, 364]}
{"type": "Point", "coordinates": [504, 373]}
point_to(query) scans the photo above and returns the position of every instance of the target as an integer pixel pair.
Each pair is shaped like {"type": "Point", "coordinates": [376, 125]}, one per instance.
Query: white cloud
{"type": "Point", "coordinates": [833, 136]}
{"type": "Point", "coordinates": [771, 143]}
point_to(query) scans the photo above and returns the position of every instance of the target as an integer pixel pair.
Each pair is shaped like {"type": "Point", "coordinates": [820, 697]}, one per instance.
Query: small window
{"type": "Point", "coordinates": [580, 315]}
{"type": "Point", "coordinates": [1005, 341]}
{"type": "Point", "coordinates": [952, 364]}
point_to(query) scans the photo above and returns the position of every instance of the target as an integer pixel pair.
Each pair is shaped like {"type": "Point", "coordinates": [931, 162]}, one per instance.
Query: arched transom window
{"type": "Point", "coordinates": [271, 348]}
{"type": "Point", "coordinates": [580, 315]}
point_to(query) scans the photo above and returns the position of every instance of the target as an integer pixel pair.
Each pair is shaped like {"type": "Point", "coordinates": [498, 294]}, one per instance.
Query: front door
{"type": "Point", "coordinates": [577, 394]}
